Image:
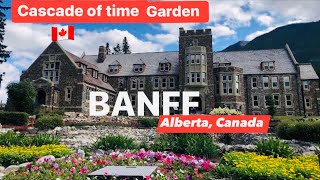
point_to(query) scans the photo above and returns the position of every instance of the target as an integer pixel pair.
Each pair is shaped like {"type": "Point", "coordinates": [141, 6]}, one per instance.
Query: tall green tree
{"type": "Point", "coordinates": [117, 49]}
{"type": "Point", "coordinates": [3, 53]}
{"type": "Point", "coordinates": [125, 46]}
{"type": "Point", "coordinates": [21, 97]}
{"type": "Point", "coordinates": [271, 105]}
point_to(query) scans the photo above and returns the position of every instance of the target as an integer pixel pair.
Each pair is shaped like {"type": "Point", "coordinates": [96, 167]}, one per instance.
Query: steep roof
{"type": "Point", "coordinates": [307, 72]}
{"type": "Point", "coordinates": [150, 59]}
{"type": "Point", "coordinates": [250, 61]}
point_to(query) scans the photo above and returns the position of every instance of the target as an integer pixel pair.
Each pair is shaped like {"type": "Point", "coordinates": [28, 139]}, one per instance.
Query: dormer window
{"type": "Point", "coordinates": [113, 69]}
{"type": "Point", "coordinates": [95, 74]}
{"type": "Point", "coordinates": [104, 78]}
{"type": "Point", "coordinates": [165, 67]}
{"type": "Point", "coordinates": [268, 65]}
{"type": "Point", "coordinates": [138, 68]}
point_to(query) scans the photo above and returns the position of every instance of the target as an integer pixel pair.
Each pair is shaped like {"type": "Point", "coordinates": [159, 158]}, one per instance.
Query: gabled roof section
{"type": "Point", "coordinates": [150, 59]}
{"type": "Point", "coordinates": [115, 63]}
{"type": "Point", "coordinates": [307, 72]}
{"type": "Point", "coordinates": [165, 60]}
{"type": "Point", "coordinates": [250, 61]}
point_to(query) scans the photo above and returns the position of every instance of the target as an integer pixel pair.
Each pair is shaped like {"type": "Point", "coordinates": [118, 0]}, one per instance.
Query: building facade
{"type": "Point", "coordinates": [241, 80]}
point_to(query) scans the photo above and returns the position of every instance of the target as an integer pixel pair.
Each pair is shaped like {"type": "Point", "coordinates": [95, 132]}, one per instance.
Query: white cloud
{"type": "Point", "coordinates": [258, 33]}
{"type": "Point", "coordinates": [164, 39]}
{"type": "Point", "coordinates": [265, 20]}
{"type": "Point", "coordinates": [220, 31]}
{"type": "Point", "coordinates": [12, 75]}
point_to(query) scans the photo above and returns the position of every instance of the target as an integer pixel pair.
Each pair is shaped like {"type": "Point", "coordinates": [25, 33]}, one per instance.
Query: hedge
{"type": "Point", "coordinates": [304, 131]}
{"type": "Point", "coordinates": [14, 118]}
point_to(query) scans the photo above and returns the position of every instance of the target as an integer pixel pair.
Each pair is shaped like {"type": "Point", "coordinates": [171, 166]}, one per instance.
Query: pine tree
{"type": "Point", "coordinates": [3, 53]}
{"type": "Point", "coordinates": [125, 46]}
{"type": "Point", "coordinates": [108, 48]}
{"type": "Point", "coordinates": [117, 49]}
{"type": "Point", "coordinates": [271, 105]}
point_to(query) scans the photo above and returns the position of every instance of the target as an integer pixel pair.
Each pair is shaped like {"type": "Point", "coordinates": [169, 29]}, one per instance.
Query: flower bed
{"type": "Point", "coordinates": [20, 154]}
{"type": "Point", "coordinates": [252, 166]}
{"type": "Point", "coordinates": [170, 166]}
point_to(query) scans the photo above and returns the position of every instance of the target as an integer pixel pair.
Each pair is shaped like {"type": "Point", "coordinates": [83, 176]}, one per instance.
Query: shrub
{"type": "Point", "coordinates": [274, 147]}
{"type": "Point", "coordinates": [13, 139]}
{"type": "Point", "coordinates": [49, 121]}
{"type": "Point", "coordinates": [224, 111]}
{"type": "Point", "coordinates": [21, 154]}
{"type": "Point", "coordinates": [148, 122]}
{"type": "Point", "coordinates": [14, 118]}
{"type": "Point", "coordinates": [239, 165]}
{"type": "Point", "coordinates": [113, 142]}
{"type": "Point", "coordinates": [293, 130]}
{"type": "Point", "coordinates": [194, 144]}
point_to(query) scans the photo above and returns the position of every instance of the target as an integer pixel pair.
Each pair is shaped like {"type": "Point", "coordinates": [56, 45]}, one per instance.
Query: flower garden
{"type": "Point", "coordinates": [177, 156]}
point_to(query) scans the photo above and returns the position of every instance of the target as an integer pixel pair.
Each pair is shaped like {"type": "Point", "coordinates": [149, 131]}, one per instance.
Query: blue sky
{"type": "Point", "coordinates": [230, 20]}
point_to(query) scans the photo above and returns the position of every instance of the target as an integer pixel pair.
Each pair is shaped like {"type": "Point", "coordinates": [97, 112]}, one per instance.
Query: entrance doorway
{"type": "Point", "coordinates": [41, 97]}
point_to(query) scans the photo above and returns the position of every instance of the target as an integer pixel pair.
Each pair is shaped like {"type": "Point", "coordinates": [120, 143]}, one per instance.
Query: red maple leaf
{"type": "Point", "coordinates": [62, 32]}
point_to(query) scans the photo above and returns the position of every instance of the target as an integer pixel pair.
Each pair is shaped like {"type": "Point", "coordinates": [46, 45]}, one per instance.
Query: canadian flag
{"type": "Point", "coordinates": [62, 33]}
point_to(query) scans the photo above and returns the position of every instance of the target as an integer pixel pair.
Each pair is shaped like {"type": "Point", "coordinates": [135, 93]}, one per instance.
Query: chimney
{"type": "Point", "coordinates": [102, 54]}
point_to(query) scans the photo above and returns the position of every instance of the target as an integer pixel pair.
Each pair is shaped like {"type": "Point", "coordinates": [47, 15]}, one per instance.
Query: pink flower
{"type": "Point", "coordinates": [36, 168]}
{"type": "Point", "coordinates": [106, 173]}
{"type": "Point", "coordinates": [175, 176]}
{"type": "Point", "coordinates": [148, 178]}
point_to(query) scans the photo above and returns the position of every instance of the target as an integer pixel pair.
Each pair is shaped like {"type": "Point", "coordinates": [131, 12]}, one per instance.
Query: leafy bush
{"type": "Point", "coordinates": [113, 142]}
{"type": "Point", "coordinates": [224, 111]}
{"type": "Point", "coordinates": [14, 118]}
{"type": "Point", "coordinates": [148, 122]}
{"type": "Point", "coordinates": [239, 165]}
{"type": "Point", "coordinates": [13, 139]}
{"type": "Point", "coordinates": [21, 154]}
{"type": "Point", "coordinates": [49, 121]}
{"type": "Point", "coordinates": [310, 131]}
{"type": "Point", "coordinates": [274, 147]}
{"type": "Point", "coordinates": [194, 144]}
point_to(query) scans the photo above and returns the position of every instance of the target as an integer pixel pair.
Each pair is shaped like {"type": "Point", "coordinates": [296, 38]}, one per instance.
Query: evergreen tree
{"type": "Point", "coordinates": [271, 105]}
{"type": "Point", "coordinates": [117, 49]}
{"type": "Point", "coordinates": [108, 48]}
{"type": "Point", "coordinates": [3, 53]}
{"type": "Point", "coordinates": [125, 46]}
{"type": "Point", "coordinates": [21, 97]}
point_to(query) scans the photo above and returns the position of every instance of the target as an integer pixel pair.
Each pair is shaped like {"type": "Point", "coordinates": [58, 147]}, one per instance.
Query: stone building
{"type": "Point", "coordinates": [239, 80]}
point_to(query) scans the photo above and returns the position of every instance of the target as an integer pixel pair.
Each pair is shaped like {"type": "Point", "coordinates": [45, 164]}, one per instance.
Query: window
{"type": "Point", "coordinates": [198, 59]}
{"type": "Point", "coordinates": [286, 82]}
{"type": "Point", "coordinates": [237, 84]}
{"type": "Point", "coordinates": [309, 114]}
{"type": "Point", "coordinates": [289, 100]}
{"type": "Point", "coordinates": [274, 80]}
{"type": "Point", "coordinates": [134, 84]}
{"type": "Point", "coordinates": [267, 65]}
{"type": "Point", "coordinates": [204, 77]}
{"type": "Point", "coordinates": [198, 77]}
{"type": "Point", "coordinates": [121, 83]}
{"type": "Point", "coordinates": [306, 85]}
{"type": "Point", "coordinates": [276, 99]}
{"type": "Point", "coordinates": [164, 67]}
{"type": "Point", "coordinates": [227, 84]}
{"type": "Point", "coordinates": [51, 69]}
{"type": "Point", "coordinates": [89, 89]}
{"type": "Point", "coordinates": [141, 83]}
{"type": "Point", "coordinates": [255, 101]}
{"type": "Point", "coordinates": [95, 74]}
{"type": "Point", "coordinates": [256, 113]}
{"type": "Point", "coordinates": [265, 82]}
{"type": "Point", "coordinates": [254, 82]}
{"type": "Point", "coordinates": [289, 113]}
{"type": "Point", "coordinates": [138, 68]}
{"type": "Point", "coordinates": [171, 82]}
{"type": "Point", "coordinates": [203, 60]}
{"type": "Point", "coordinates": [187, 59]}
{"type": "Point", "coordinates": [104, 78]}
{"type": "Point", "coordinates": [113, 69]}
{"type": "Point", "coordinates": [187, 78]}
{"type": "Point", "coordinates": [68, 93]}
{"type": "Point", "coordinates": [193, 77]}
{"type": "Point", "coordinates": [83, 66]}
{"type": "Point", "coordinates": [308, 103]}
{"type": "Point", "coordinates": [193, 59]}
{"type": "Point", "coordinates": [134, 100]}
{"type": "Point", "coordinates": [156, 83]}
{"type": "Point", "coordinates": [164, 83]}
